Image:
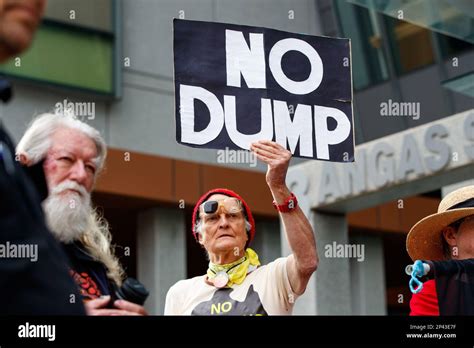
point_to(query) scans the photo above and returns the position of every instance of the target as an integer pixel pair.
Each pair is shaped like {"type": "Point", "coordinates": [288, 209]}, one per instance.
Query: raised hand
{"type": "Point", "coordinates": [276, 157]}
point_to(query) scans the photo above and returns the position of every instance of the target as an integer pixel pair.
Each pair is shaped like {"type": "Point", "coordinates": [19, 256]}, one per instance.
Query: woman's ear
{"type": "Point", "coordinates": [449, 235]}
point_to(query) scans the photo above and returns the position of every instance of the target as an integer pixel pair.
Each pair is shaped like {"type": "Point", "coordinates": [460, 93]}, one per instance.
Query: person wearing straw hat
{"type": "Point", "coordinates": [235, 282]}
{"type": "Point", "coordinates": [445, 235]}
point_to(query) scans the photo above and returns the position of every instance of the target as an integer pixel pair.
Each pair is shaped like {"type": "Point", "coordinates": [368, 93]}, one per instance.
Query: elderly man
{"type": "Point", "coordinates": [235, 283]}
{"type": "Point", "coordinates": [74, 154]}
{"type": "Point", "coordinates": [447, 236]}
{"type": "Point", "coordinates": [26, 284]}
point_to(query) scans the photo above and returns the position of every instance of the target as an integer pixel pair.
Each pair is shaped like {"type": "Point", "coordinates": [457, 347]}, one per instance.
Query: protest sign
{"type": "Point", "coordinates": [238, 84]}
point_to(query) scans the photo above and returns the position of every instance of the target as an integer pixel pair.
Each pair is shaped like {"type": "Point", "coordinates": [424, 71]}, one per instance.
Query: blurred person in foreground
{"type": "Point", "coordinates": [74, 154]}
{"type": "Point", "coordinates": [236, 283]}
{"type": "Point", "coordinates": [38, 285]}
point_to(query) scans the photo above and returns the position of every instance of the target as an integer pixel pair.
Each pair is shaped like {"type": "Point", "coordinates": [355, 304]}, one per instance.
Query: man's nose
{"type": "Point", "coordinates": [223, 221]}
{"type": "Point", "coordinates": [78, 173]}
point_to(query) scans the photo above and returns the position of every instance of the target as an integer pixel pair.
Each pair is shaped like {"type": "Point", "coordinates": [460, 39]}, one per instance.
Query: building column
{"type": "Point", "coordinates": [267, 240]}
{"type": "Point", "coordinates": [332, 280]}
{"type": "Point", "coordinates": [368, 277]}
{"type": "Point", "coordinates": [161, 253]}
{"type": "Point", "coordinates": [329, 289]}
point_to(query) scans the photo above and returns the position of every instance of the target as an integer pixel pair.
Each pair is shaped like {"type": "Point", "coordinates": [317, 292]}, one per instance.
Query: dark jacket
{"type": "Point", "coordinates": [89, 275]}
{"type": "Point", "coordinates": [40, 287]}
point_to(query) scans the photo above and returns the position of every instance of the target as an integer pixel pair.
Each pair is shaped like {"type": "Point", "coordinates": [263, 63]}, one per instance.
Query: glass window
{"type": "Point", "coordinates": [410, 25]}
{"type": "Point", "coordinates": [450, 17]}
{"type": "Point", "coordinates": [92, 14]}
{"type": "Point", "coordinates": [463, 84]}
{"type": "Point", "coordinates": [360, 25]}
{"type": "Point", "coordinates": [410, 44]}
{"type": "Point", "coordinates": [74, 47]}
{"type": "Point", "coordinates": [451, 46]}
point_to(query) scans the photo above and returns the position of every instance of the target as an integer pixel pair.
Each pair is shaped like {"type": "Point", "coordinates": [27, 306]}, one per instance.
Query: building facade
{"type": "Point", "coordinates": [113, 60]}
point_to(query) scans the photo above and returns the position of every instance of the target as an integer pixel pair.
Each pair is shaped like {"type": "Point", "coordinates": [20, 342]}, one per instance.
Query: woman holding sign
{"type": "Point", "coordinates": [236, 283]}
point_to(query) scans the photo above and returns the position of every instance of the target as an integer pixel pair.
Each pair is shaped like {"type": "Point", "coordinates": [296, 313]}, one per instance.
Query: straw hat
{"type": "Point", "coordinates": [424, 241]}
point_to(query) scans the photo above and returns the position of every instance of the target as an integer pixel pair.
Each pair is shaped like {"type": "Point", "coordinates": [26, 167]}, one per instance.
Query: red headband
{"type": "Point", "coordinates": [229, 193]}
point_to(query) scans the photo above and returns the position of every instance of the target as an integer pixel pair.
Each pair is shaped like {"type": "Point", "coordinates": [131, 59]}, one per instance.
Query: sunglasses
{"type": "Point", "coordinates": [229, 205]}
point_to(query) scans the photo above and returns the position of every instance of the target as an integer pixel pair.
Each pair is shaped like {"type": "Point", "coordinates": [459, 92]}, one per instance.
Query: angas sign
{"type": "Point", "coordinates": [238, 84]}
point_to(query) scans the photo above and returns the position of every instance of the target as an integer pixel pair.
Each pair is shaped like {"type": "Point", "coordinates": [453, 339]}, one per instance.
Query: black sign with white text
{"type": "Point", "coordinates": [238, 84]}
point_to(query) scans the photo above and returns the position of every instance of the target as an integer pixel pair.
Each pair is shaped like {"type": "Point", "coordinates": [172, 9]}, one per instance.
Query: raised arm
{"type": "Point", "coordinates": [304, 260]}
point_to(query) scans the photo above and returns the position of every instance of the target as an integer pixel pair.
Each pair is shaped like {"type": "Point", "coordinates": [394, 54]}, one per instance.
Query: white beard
{"type": "Point", "coordinates": [68, 213]}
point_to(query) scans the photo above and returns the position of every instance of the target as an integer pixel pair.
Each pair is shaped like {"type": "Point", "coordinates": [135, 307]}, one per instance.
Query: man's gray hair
{"type": "Point", "coordinates": [36, 141]}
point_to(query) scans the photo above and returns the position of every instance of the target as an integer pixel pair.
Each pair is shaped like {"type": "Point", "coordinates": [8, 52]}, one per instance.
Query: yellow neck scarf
{"type": "Point", "coordinates": [238, 270]}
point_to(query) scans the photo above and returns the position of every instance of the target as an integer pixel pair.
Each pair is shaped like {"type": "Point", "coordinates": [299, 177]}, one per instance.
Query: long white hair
{"type": "Point", "coordinates": [34, 145]}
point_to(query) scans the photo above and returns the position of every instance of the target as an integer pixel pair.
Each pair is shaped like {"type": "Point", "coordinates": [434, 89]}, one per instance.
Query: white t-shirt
{"type": "Point", "coordinates": [265, 291]}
